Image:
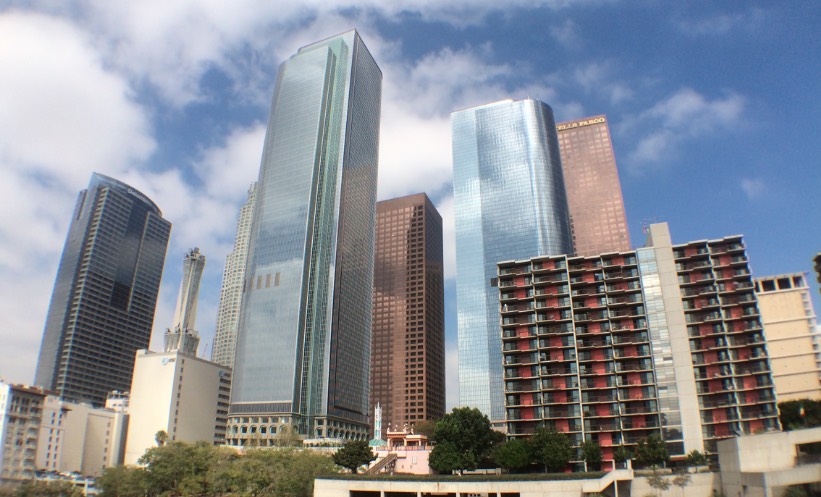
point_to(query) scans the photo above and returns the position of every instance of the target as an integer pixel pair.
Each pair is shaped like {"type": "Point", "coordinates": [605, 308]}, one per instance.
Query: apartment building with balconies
{"type": "Point", "coordinates": [613, 348]}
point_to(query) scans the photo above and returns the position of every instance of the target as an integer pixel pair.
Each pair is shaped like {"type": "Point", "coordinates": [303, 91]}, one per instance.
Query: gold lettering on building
{"type": "Point", "coordinates": [579, 124]}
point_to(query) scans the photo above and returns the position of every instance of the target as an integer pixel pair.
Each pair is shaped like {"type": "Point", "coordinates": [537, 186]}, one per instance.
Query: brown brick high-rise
{"type": "Point", "coordinates": [408, 341]}
{"type": "Point", "coordinates": [593, 188]}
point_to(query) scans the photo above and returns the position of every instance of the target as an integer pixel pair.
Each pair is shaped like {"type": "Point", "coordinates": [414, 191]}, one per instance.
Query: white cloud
{"type": "Point", "coordinates": [684, 116]}
{"type": "Point", "coordinates": [64, 113]}
{"type": "Point", "coordinates": [753, 188]}
{"type": "Point", "coordinates": [724, 23]}
{"type": "Point", "coordinates": [600, 78]}
{"type": "Point", "coordinates": [566, 33]}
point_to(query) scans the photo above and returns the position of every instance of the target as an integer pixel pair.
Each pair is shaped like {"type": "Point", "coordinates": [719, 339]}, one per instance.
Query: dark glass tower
{"type": "Point", "coordinates": [105, 294]}
{"type": "Point", "coordinates": [303, 345]}
{"type": "Point", "coordinates": [408, 353]}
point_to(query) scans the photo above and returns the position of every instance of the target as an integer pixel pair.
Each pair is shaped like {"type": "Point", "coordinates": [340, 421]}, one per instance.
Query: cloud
{"type": "Point", "coordinates": [566, 33]}
{"type": "Point", "coordinates": [685, 115]}
{"type": "Point", "coordinates": [64, 113]}
{"type": "Point", "coordinates": [724, 23]}
{"type": "Point", "coordinates": [599, 78]}
{"type": "Point", "coordinates": [753, 188]}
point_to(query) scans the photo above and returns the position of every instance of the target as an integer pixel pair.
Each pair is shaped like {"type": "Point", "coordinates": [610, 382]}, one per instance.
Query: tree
{"type": "Point", "coordinates": [426, 427]}
{"type": "Point", "coordinates": [651, 451]}
{"type": "Point", "coordinates": [592, 455]}
{"type": "Point", "coordinates": [621, 454]}
{"type": "Point", "coordinates": [695, 459]}
{"type": "Point", "coordinates": [354, 454]}
{"type": "Point", "coordinates": [445, 458]}
{"type": "Point", "coordinates": [122, 481]}
{"type": "Point", "coordinates": [660, 484]}
{"type": "Point", "coordinates": [791, 417]}
{"type": "Point", "coordinates": [467, 439]}
{"type": "Point", "coordinates": [178, 468]}
{"type": "Point", "coordinates": [512, 455]}
{"type": "Point", "coordinates": [551, 448]}
{"type": "Point", "coordinates": [161, 437]}
{"type": "Point", "coordinates": [681, 480]}
{"type": "Point", "coordinates": [47, 489]}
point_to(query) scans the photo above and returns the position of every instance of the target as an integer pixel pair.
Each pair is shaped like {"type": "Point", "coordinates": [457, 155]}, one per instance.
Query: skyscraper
{"type": "Point", "coordinates": [593, 189]}
{"type": "Point", "coordinates": [105, 294]}
{"type": "Point", "coordinates": [408, 340]}
{"type": "Point", "coordinates": [233, 277]}
{"type": "Point", "coordinates": [510, 199]}
{"type": "Point", "coordinates": [303, 346]}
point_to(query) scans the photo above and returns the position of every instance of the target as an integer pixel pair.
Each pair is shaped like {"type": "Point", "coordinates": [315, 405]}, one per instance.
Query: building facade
{"type": "Point", "coordinates": [793, 340]}
{"type": "Point", "coordinates": [105, 294]}
{"type": "Point", "coordinates": [593, 188]}
{"type": "Point", "coordinates": [79, 438]}
{"type": "Point", "coordinates": [180, 394]}
{"type": "Point", "coordinates": [21, 411]}
{"type": "Point", "coordinates": [665, 339]}
{"type": "Point", "coordinates": [408, 338]}
{"type": "Point", "coordinates": [510, 202]}
{"type": "Point", "coordinates": [233, 279]}
{"type": "Point", "coordinates": [175, 391]}
{"type": "Point", "coordinates": [303, 348]}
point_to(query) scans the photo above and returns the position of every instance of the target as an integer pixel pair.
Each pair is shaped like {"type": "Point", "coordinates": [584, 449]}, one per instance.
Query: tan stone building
{"type": "Point", "coordinates": [792, 337]}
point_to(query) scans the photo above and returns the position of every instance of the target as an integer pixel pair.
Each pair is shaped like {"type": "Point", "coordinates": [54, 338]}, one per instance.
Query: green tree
{"type": "Point", "coordinates": [592, 455]}
{"type": "Point", "coordinates": [790, 414]}
{"type": "Point", "coordinates": [161, 437]}
{"type": "Point", "coordinates": [468, 436]}
{"type": "Point", "coordinates": [122, 481]}
{"type": "Point", "coordinates": [695, 459]}
{"type": "Point", "coordinates": [426, 427]}
{"type": "Point", "coordinates": [445, 458]}
{"type": "Point", "coordinates": [551, 448]}
{"type": "Point", "coordinates": [621, 454]}
{"type": "Point", "coordinates": [47, 489]}
{"type": "Point", "coordinates": [512, 455]}
{"type": "Point", "coordinates": [651, 451]}
{"type": "Point", "coordinates": [354, 454]}
{"type": "Point", "coordinates": [178, 468]}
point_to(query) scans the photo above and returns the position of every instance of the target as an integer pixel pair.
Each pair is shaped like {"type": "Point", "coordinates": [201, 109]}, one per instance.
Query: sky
{"type": "Point", "coordinates": [714, 109]}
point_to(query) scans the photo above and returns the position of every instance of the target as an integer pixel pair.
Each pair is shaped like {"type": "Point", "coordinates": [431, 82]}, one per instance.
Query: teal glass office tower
{"type": "Point", "coordinates": [510, 203]}
{"type": "Point", "coordinates": [303, 348]}
{"type": "Point", "coordinates": [105, 293]}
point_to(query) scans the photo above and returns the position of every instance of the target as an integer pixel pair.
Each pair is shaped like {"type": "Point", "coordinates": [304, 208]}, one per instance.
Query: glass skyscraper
{"type": "Point", "coordinates": [510, 203]}
{"type": "Point", "coordinates": [303, 348]}
{"type": "Point", "coordinates": [105, 294]}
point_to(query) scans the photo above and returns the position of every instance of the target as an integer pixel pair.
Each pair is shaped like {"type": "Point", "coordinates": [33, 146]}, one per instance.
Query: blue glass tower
{"type": "Point", "coordinates": [303, 348]}
{"type": "Point", "coordinates": [105, 293]}
{"type": "Point", "coordinates": [510, 204]}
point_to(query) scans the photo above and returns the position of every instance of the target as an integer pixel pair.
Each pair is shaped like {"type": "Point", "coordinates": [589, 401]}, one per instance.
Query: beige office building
{"type": "Point", "coordinates": [183, 395]}
{"type": "Point", "coordinates": [793, 340]}
{"type": "Point", "coordinates": [80, 438]}
{"type": "Point", "coordinates": [593, 189]}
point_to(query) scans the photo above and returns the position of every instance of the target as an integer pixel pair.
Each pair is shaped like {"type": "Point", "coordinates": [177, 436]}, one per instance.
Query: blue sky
{"type": "Point", "coordinates": [714, 108]}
